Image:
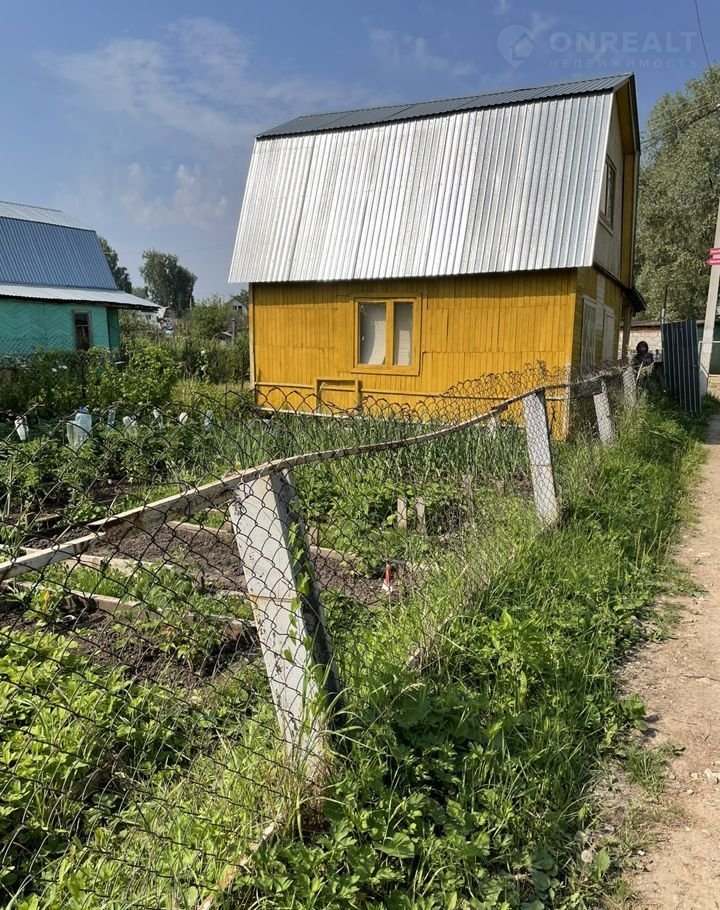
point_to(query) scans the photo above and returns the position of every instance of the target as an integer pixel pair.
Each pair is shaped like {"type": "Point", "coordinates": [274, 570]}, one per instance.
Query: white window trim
{"type": "Point", "coordinates": [81, 312]}
{"type": "Point", "coordinates": [389, 368]}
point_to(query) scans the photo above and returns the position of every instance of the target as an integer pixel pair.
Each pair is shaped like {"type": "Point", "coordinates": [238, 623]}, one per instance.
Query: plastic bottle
{"type": "Point", "coordinates": [79, 429]}
{"type": "Point", "coordinates": [22, 429]}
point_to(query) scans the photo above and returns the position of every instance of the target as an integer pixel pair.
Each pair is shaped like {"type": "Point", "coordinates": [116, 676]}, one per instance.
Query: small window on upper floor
{"type": "Point", "coordinates": [607, 200]}
{"type": "Point", "coordinates": [81, 326]}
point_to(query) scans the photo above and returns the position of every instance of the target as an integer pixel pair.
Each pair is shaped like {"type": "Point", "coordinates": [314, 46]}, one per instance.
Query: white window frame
{"type": "Point", "coordinates": [389, 367]}
{"type": "Point", "coordinates": [87, 313]}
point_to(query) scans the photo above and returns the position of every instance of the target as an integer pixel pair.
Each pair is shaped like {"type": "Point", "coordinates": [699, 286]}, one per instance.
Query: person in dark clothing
{"type": "Point", "coordinates": [643, 363]}
{"type": "Point", "coordinates": [642, 356]}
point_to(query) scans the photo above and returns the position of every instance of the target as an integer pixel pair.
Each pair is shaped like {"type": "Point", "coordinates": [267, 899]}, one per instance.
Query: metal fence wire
{"type": "Point", "coordinates": [191, 602]}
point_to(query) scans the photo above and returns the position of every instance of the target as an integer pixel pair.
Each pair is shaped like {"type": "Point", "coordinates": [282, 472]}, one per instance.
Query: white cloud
{"type": "Point", "coordinates": [502, 7]}
{"type": "Point", "coordinates": [404, 50]}
{"type": "Point", "coordinates": [197, 79]}
{"type": "Point", "coordinates": [193, 199]}
{"type": "Point", "coordinates": [190, 95]}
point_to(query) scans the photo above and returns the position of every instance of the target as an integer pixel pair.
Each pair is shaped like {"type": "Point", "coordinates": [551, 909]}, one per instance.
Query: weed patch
{"type": "Point", "coordinates": [468, 784]}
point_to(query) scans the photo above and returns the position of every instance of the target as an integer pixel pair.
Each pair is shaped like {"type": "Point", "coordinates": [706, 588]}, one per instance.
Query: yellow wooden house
{"type": "Point", "coordinates": [396, 251]}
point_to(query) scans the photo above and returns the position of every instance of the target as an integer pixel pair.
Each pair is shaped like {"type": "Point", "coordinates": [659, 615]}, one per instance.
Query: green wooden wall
{"type": "Point", "coordinates": [30, 325]}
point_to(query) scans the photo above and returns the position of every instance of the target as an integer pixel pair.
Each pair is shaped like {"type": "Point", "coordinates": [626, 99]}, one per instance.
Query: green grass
{"type": "Point", "coordinates": [464, 785]}
{"type": "Point", "coordinates": [461, 783]}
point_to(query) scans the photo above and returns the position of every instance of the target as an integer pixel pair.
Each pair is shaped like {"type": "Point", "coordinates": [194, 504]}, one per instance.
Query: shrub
{"type": "Point", "coordinates": [149, 377]}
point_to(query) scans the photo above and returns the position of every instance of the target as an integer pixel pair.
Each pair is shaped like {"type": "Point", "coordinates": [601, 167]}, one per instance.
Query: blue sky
{"type": "Point", "coordinates": [138, 118]}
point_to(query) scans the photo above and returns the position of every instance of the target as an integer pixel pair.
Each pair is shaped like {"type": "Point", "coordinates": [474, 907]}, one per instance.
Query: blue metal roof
{"type": "Point", "coordinates": [391, 113]}
{"type": "Point", "coordinates": [38, 213]}
{"type": "Point", "coordinates": [46, 248]}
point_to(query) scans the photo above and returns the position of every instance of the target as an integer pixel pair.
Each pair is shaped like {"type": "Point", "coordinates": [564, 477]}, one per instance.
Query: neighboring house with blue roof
{"type": "Point", "coordinates": [56, 288]}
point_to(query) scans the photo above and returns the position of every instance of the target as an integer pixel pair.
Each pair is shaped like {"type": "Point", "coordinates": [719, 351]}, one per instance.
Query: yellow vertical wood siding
{"type": "Point", "coordinates": [469, 326]}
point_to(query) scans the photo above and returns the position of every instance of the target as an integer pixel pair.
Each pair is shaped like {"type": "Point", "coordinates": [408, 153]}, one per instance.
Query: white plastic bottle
{"type": "Point", "coordinates": [22, 429]}
{"type": "Point", "coordinates": [79, 429]}
{"type": "Point", "coordinates": [129, 425]}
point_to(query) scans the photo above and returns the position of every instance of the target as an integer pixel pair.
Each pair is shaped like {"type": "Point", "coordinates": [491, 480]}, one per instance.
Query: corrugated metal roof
{"type": "Point", "coordinates": [495, 189]}
{"type": "Point", "coordinates": [78, 295]}
{"type": "Point", "coordinates": [37, 213]}
{"type": "Point", "coordinates": [55, 253]}
{"type": "Point", "coordinates": [391, 113]}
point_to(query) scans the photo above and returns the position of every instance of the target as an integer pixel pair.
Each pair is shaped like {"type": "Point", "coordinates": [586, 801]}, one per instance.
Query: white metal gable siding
{"type": "Point", "coordinates": [494, 190]}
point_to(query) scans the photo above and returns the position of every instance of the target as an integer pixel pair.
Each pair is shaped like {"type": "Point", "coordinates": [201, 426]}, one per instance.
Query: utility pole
{"type": "Point", "coordinates": [706, 347]}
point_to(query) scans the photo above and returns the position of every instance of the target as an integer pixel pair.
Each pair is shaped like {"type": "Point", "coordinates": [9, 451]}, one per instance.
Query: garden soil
{"type": "Point", "coordinates": [679, 680]}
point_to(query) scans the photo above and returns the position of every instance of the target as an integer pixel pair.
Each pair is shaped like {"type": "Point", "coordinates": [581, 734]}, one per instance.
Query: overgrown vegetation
{"type": "Point", "coordinates": [467, 785]}
{"type": "Point", "coordinates": [462, 784]}
{"type": "Point", "coordinates": [209, 347]}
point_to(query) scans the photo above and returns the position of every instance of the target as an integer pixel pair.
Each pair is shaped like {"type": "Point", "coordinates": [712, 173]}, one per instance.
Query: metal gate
{"type": "Point", "coordinates": [681, 364]}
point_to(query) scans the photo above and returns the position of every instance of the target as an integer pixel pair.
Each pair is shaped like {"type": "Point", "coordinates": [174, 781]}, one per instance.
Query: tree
{"type": "Point", "coordinates": [119, 272]}
{"type": "Point", "coordinates": [679, 188]}
{"type": "Point", "coordinates": [167, 283]}
{"type": "Point", "coordinates": [208, 319]}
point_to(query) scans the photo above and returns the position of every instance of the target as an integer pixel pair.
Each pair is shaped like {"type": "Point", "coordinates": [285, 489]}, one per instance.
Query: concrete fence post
{"type": "Point", "coordinates": [420, 523]}
{"type": "Point", "coordinates": [288, 615]}
{"type": "Point", "coordinates": [603, 415]}
{"type": "Point", "coordinates": [540, 454]}
{"type": "Point", "coordinates": [401, 515]}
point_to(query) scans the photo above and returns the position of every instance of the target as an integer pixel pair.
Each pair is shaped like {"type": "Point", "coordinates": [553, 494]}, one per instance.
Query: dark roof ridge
{"type": "Point", "coordinates": [336, 120]}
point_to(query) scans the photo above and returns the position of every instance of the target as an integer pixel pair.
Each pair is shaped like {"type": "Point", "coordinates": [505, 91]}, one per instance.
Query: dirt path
{"type": "Point", "coordinates": [680, 682]}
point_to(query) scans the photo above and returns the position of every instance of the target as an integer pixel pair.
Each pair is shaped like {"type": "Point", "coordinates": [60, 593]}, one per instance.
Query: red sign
{"type": "Point", "coordinates": [714, 258]}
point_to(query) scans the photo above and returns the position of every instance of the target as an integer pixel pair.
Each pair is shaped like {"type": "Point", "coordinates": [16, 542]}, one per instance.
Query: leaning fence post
{"type": "Point", "coordinates": [629, 387]}
{"type": "Point", "coordinates": [288, 613]}
{"type": "Point", "coordinates": [603, 415]}
{"type": "Point", "coordinates": [540, 454]}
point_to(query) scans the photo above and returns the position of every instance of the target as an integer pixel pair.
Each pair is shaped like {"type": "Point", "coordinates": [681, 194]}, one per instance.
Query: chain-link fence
{"type": "Point", "coordinates": [194, 606]}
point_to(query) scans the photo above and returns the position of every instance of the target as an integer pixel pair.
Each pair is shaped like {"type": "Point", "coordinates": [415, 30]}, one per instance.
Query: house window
{"type": "Point", "coordinates": [385, 333]}
{"type": "Point", "coordinates": [403, 333]}
{"type": "Point", "coordinates": [598, 333]}
{"type": "Point", "coordinates": [372, 323]}
{"type": "Point", "coordinates": [81, 326]}
{"type": "Point", "coordinates": [607, 201]}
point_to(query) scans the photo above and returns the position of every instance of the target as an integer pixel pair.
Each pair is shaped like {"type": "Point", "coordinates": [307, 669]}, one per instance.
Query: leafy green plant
{"type": "Point", "coordinates": [70, 736]}
{"type": "Point", "coordinates": [465, 785]}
